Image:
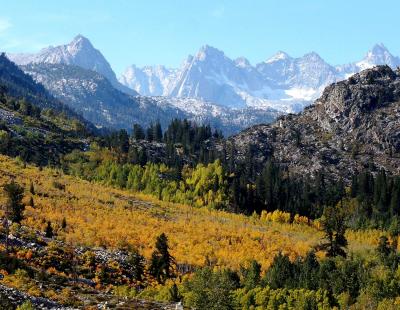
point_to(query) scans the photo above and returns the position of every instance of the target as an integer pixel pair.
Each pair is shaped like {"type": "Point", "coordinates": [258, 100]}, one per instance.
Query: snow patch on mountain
{"type": "Point", "coordinates": [149, 80]}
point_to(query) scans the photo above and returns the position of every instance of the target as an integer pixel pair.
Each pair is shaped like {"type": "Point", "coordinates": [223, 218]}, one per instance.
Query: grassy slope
{"type": "Point", "coordinates": [103, 216]}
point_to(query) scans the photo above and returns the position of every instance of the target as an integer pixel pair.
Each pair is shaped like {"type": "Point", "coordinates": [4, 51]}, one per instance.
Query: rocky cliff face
{"type": "Point", "coordinates": [354, 125]}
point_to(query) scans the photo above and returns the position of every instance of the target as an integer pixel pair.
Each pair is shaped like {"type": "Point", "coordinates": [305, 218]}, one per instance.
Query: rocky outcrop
{"type": "Point", "coordinates": [10, 298]}
{"type": "Point", "coordinates": [354, 125]}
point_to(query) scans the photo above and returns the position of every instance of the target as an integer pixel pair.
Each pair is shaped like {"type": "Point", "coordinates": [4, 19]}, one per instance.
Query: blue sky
{"type": "Point", "coordinates": [165, 32]}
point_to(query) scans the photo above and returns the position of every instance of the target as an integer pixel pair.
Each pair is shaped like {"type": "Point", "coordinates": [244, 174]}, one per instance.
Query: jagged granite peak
{"type": "Point", "coordinates": [209, 51]}
{"type": "Point", "coordinates": [79, 52]}
{"type": "Point", "coordinates": [242, 62]}
{"type": "Point", "coordinates": [283, 82]}
{"type": "Point", "coordinates": [134, 78]}
{"type": "Point", "coordinates": [313, 72]}
{"type": "Point", "coordinates": [78, 44]}
{"type": "Point", "coordinates": [377, 55]}
{"type": "Point", "coordinates": [354, 125]}
{"type": "Point", "coordinates": [307, 72]}
{"type": "Point", "coordinates": [212, 76]}
{"type": "Point", "coordinates": [280, 55]}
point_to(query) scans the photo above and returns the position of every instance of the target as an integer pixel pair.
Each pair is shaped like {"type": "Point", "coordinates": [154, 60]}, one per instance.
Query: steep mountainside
{"type": "Point", "coordinates": [79, 52]}
{"type": "Point", "coordinates": [354, 125]}
{"type": "Point", "coordinates": [34, 125]}
{"type": "Point", "coordinates": [92, 95]}
{"type": "Point", "coordinates": [20, 86]}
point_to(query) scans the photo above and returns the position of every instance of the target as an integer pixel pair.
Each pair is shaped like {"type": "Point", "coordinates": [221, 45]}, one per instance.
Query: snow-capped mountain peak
{"type": "Point", "coordinates": [79, 44]}
{"type": "Point", "coordinates": [313, 56]}
{"type": "Point", "coordinates": [80, 38]}
{"type": "Point", "coordinates": [278, 57]}
{"type": "Point", "coordinates": [207, 51]}
{"type": "Point", "coordinates": [79, 52]}
{"type": "Point", "coordinates": [378, 49]}
{"type": "Point", "coordinates": [242, 62]}
{"type": "Point", "coordinates": [378, 55]}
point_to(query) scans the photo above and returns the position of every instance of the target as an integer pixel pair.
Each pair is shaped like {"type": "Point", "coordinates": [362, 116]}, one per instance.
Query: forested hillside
{"type": "Point", "coordinates": [182, 214]}
{"type": "Point", "coordinates": [111, 237]}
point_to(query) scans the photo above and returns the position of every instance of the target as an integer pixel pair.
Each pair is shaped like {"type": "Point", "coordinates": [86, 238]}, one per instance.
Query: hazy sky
{"type": "Point", "coordinates": [166, 31]}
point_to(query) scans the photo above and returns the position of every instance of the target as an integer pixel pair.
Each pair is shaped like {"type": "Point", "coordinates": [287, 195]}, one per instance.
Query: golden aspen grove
{"type": "Point", "coordinates": [104, 216]}
{"type": "Point", "coordinates": [100, 216]}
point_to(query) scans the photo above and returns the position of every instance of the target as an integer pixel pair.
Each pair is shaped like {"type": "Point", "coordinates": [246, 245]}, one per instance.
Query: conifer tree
{"type": "Point", "coordinates": [150, 133]}
{"type": "Point", "coordinates": [15, 207]}
{"type": "Point", "coordinates": [251, 275]}
{"type": "Point", "coordinates": [280, 273]}
{"type": "Point", "coordinates": [64, 223]}
{"type": "Point", "coordinates": [32, 188]}
{"type": "Point", "coordinates": [395, 198]}
{"type": "Point", "coordinates": [334, 227]}
{"type": "Point", "coordinates": [161, 263]}
{"type": "Point", "coordinates": [123, 141]}
{"type": "Point", "coordinates": [49, 230]}
{"type": "Point", "coordinates": [138, 132]}
{"type": "Point", "coordinates": [174, 294]}
{"type": "Point", "coordinates": [308, 274]}
{"type": "Point", "coordinates": [136, 263]}
{"type": "Point", "coordinates": [157, 134]}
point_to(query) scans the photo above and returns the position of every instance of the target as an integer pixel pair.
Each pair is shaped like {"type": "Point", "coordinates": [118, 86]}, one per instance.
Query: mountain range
{"type": "Point", "coordinates": [209, 87]}
{"type": "Point", "coordinates": [79, 76]}
{"type": "Point", "coordinates": [281, 82]}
